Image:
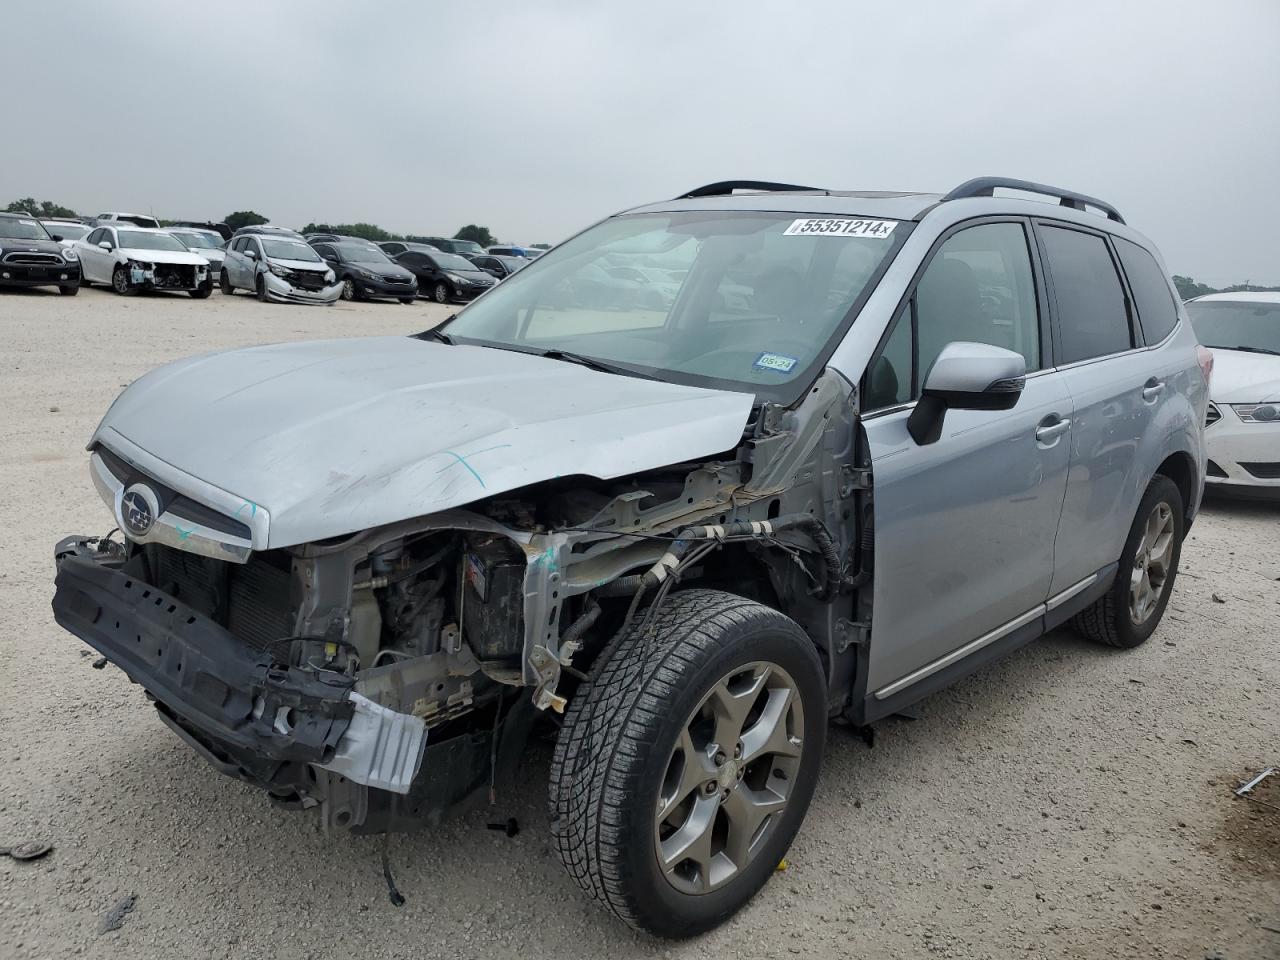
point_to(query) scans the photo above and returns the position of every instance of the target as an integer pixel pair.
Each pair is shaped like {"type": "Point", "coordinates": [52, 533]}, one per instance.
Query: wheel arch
{"type": "Point", "coordinates": [1180, 467]}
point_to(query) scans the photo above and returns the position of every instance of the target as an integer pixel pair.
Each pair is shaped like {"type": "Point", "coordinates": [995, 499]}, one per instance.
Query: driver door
{"type": "Point", "coordinates": [964, 526]}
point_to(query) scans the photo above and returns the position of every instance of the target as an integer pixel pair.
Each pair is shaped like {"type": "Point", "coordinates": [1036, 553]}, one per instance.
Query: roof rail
{"type": "Point", "coordinates": [986, 186]}
{"type": "Point", "coordinates": [725, 187]}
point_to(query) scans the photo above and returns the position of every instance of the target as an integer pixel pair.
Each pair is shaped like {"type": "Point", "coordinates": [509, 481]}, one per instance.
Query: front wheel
{"type": "Point", "coordinates": [407, 299]}
{"type": "Point", "coordinates": [440, 292]}
{"type": "Point", "coordinates": [69, 289]}
{"type": "Point", "coordinates": [260, 288]}
{"type": "Point", "coordinates": [687, 762]}
{"type": "Point", "coordinates": [120, 283]}
{"type": "Point", "coordinates": [203, 291]}
{"type": "Point", "coordinates": [1131, 610]}
{"type": "Point", "coordinates": [349, 290]}
{"type": "Point", "coordinates": [224, 282]}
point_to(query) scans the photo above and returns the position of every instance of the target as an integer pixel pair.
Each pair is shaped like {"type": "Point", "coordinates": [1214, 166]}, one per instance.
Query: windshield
{"type": "Point", "coordinates": [1237, 323]}
{"type": "Point", "coordinates": [288, 250]}
{"type": "Point", "coordinates": [361, 253]}
{"type": "Point", "coordinates": [22, 229]}
{"type": "Point", "coordinates": [451, 261]}
{"type": "Point", "coordinates": [201, 240]}
{"type": "Point", "coordinates": [68, 231]}
{"type": "Point", "coordinates": [743, 301]}
{"type": "Point", "coordinates": [137, 240]}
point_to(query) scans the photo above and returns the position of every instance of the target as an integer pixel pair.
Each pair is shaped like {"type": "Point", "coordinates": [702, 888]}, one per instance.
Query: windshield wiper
{"type": "Point", "coordinates": [1247, 349]}
{"type": "Point", "coordinates": [435, 333]}
{"type": "Point", "coordinates": [590, 363]}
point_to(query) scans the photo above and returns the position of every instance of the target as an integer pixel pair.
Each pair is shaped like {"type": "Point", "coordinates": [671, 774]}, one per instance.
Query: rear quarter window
{"type": "Point", "coordinates": [1157, 311]}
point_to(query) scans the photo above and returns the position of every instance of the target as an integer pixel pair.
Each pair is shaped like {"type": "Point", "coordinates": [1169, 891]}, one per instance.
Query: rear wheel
{"type": "Point", "coordinates": [120, 283]}
{"type": "Point", "coordinates": [687, 762]}
{"type": "Point", "coordinates": [1131, 610]}
{"type": "Point", "coordinates": [225, 283]}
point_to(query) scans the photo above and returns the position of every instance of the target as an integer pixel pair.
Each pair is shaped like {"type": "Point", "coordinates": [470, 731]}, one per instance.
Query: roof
{"type": "Point", "coordinates": [1240, 296]}
{"type": "Point", "coordinates": [869, 203]}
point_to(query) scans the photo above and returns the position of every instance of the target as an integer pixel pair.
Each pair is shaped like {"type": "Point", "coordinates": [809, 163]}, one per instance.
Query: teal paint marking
{"type": "Point", "coordinates": [460, 459]}
{"type": "Point", "coordinates": [183, 534]}
{"type": "Point", "coordinates": [253, 509]}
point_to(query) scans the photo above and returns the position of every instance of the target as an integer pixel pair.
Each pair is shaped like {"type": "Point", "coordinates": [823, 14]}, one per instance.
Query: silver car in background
{"type": "Point", "coordinates": [872, 442]}
{"type": "Point", "coordinates": [207, 243]}
{"type": "Point", "coordinates": [277, 267]}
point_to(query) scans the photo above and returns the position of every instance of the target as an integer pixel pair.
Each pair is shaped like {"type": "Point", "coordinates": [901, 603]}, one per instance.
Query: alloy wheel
{"type": "Point", "coordinates": [729, 777]}
{"type": "Point", "coordinates": [1151, 563]}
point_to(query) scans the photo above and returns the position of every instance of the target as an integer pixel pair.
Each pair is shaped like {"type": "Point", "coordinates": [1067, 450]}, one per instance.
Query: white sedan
{"type": "Point", "coordinates": [1242, 429]}
{"type": "Point", "coordinates": [132, 258]}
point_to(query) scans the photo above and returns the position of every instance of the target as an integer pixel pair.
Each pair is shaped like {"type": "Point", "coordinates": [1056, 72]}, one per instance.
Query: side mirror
{"type": "Point", "coordinates": [56, 237]}
{"type": "Point", "coordinates": [251, 254]}
{"type": "Point", "coordinates": [105, 244]}
{"type": "Point", "coordinates": [966, 376]}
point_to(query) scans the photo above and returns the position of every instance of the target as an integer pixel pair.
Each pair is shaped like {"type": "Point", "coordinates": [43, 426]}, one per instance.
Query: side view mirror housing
{"type": "Point", "coordinates": [56, 237]}
{"type": "Point", "coordinates": [251, 254]}
{"type": "Point", "coordinates": [966, 376]}
{"type": "Point", "coordinates": [105, 244]}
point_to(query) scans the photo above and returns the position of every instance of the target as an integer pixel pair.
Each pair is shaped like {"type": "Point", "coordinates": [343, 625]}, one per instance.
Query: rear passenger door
{"type": "Point", "coordinates": [964, 527]}
{"type": "Point", "coordinates": [1112, 390]}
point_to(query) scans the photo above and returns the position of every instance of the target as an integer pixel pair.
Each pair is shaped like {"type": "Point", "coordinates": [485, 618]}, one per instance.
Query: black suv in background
{"type": "Point", "coordinates": [446, 276]}
{"type": "Point", "coordinates": [464, 247]}
{"type": "Point", "coordinates": [30, 257]}
{"type": "Point", "coordinates": [365, 272]}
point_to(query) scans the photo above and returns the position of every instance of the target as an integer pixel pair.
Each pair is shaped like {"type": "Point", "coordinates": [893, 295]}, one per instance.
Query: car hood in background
{"type": "Point", "coordinates": [1243, 377]}
{"type": "Point", "coordinates": [331, 437]}
{"type": "Point", "coordinates": [13, 245]}
{"type": "Point", "coordinates": [384, 269]}
{"type": "Point", "coordinates": [163, 256]}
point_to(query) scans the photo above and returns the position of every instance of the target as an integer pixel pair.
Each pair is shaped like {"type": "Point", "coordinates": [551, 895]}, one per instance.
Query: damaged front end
{"type": "Point", "coordinates": [387, 675]}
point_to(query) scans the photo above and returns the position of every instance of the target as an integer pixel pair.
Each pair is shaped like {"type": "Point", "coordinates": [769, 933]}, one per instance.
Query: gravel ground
{"type": "Point", "coordinates": [1070, 801]}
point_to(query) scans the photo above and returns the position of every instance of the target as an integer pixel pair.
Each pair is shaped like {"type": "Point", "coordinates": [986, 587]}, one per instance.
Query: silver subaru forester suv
{"type": "Point", "coordinates": [868, 443]}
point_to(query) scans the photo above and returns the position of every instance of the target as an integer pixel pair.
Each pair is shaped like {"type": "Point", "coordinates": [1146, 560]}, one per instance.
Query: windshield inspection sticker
{"type": "Point", "coordinates": [840, 227]}
{"type": "Point", "coordinates": [775, 361]}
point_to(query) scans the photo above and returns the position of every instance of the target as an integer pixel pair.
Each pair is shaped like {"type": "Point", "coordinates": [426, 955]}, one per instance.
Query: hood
{"type": "Point", "coordinates": [336, 436]}
{"type": "Point", "coordinates": [163, 256]}
{"type": "Point", "coordinates": [1243, 377]}
{"type": "Point", "coordinates": [300, 264]}
{"type": "Point", "coordinates": [383, 269]}
{"type": "Point", "coordinates": [14, 245]}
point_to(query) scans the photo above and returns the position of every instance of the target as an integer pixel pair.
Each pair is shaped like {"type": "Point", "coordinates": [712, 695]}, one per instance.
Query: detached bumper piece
{"type": "Point", "coordinates": [250, 716]}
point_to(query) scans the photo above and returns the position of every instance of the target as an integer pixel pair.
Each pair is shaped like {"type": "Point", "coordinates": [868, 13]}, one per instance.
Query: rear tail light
{"type": "Point", "coordinates": [1204, 357]}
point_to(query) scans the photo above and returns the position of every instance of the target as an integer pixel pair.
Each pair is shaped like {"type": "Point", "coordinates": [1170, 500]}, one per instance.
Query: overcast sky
{"type": "Point", "coordinates": [536, 118]}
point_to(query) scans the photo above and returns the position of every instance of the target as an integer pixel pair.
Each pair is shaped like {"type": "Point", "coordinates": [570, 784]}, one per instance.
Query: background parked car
{"type": "Point", "coordinates": [366, 272]}
{"type": "Point", "coordinates": [221, 229]}
{"type": "Point", "coordinates": [1242, 427]}
{"type": "Point", "coordinates": [206, 243]}
{"type": "Point", "coordinates": [393, 248]}
{"type": "Point", "coordinates": [446, 245]}
{"type": "Point", "coordinates": [133, 258]}
{"type": "Point", "coordinates": [30, 257]}
{"type": "Point", "coordinates": [276, 267]}
{"type": "Point", "coordinates": [508, 250]}
{"type": "Point", "coordinates": [269, 230]}
{"type": "Point", "coordinates": [446, 276]}
{"type": "Point", "coordinates": [66, 232]}
{"type": "Point", "coordinates": [137, 219]}
{"type": "Point", "coordinates": [499, 267]}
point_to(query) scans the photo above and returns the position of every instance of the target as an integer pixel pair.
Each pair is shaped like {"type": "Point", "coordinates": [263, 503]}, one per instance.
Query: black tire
{"type": "Point", "coordinates": [203, 291]}
{"type": "Point", "coordinates": [69, 289]}
{"type": "Point", "coordinates": [224, 282]}
{"type": "Point", "coordinates": [407, 299]}
{"type": "Point", "coordinates": [84, 280]}
{"type": "Point", "coordinates": [349, 291]}
{"type": "Point", "coordinates": [120, 283]}
{"type": "Point", "coordinates": [614, 754]}
{"type": "Point", "coordinates": [260, 288]}
{"type": "Point", "coordinates": [1110, 619]}
{"type": "Point", "coordinates": [441, 293]}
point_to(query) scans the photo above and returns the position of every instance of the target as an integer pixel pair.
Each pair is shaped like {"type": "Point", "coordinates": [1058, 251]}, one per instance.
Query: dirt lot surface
{"type": "Point", "coordinates": [1071, 801]}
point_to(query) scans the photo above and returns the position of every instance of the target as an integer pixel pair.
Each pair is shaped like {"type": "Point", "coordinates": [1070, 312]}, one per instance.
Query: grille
{"type": "Point", "coordinates": [1263, 471]}
{"type": "Point", "coordinates": [1212, 415]}
{"type": "Point", "coordinates": [308, 280]}
{"type": "Point", "coordinates": [38, 259]}
{"type": "Point", "coordinates": [396, 279]}
{"type": "Point", "coordinates": [251, 600]}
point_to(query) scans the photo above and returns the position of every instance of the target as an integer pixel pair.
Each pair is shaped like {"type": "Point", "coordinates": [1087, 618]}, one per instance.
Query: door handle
{"type": "Point", "coordinates": [1152, 389]}
{"type": "Point", "coordinates": [1051, 428]}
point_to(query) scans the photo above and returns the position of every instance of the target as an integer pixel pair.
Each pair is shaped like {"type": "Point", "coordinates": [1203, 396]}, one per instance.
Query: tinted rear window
{"type": "Point", "coordinates": [1157, 311]}
{"type": "Point", "coordinates": [1093, 320]}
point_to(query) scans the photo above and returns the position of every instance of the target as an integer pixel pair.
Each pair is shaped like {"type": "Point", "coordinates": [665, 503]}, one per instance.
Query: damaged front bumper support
{"type": "Point", "coordinates": [245, 712]}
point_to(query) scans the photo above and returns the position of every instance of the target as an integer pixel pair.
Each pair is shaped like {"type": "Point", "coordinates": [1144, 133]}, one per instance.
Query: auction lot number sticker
{"type": "Point", "coordinates": [840, 227]}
